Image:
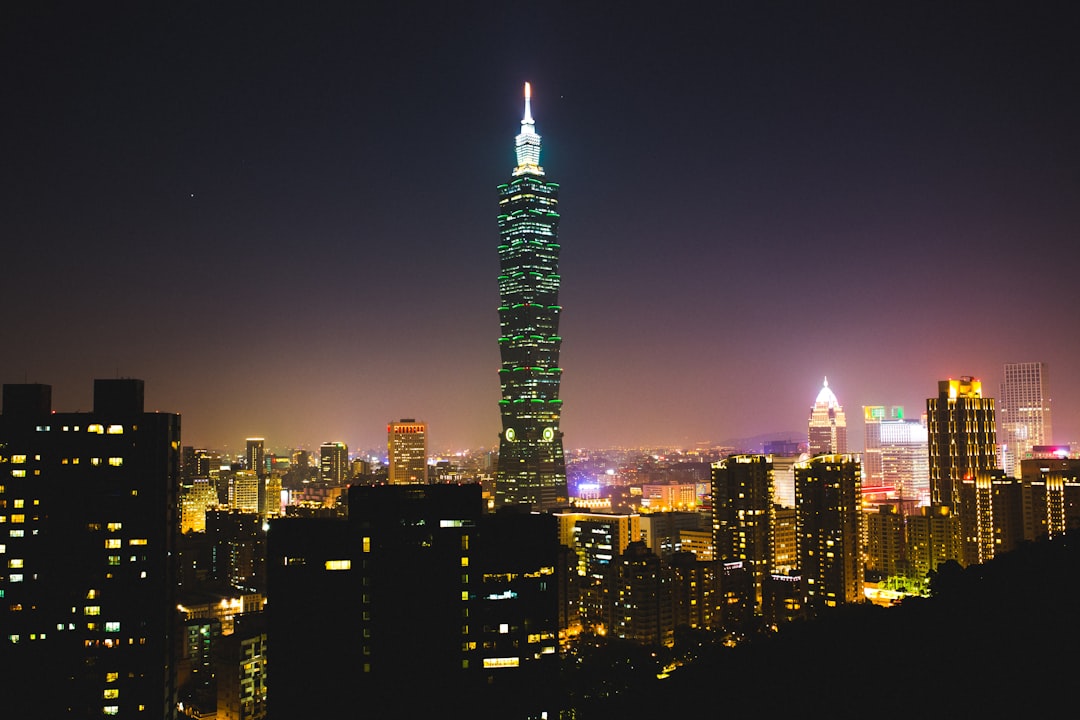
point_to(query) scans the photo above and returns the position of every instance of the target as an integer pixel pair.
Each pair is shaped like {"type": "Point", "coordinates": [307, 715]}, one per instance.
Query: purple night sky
{"type": "Point", "coordinates": [283, 218]}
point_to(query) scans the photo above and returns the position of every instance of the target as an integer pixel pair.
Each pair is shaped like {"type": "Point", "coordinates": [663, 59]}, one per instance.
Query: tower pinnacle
{"type": "Point", "coordinates": [527, 143]}
{"type": "Point", "coordinates": [527, 118]}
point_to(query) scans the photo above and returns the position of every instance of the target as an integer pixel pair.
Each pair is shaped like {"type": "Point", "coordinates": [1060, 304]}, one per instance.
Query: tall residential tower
{"type": "Point", "coordinates": [532, 469]}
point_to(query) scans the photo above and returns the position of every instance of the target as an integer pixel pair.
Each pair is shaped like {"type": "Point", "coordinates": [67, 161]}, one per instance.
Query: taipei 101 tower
{"type": "Point", "coordinates": [532, 469]}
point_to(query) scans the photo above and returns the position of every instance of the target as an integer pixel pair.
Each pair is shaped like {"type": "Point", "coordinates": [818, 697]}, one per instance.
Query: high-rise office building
{"type": "Point", "coordinates": [1023, 413]}
{"type": "Point", "coordinates": [256, 456]}
{"type": "Point", "coordinates": [894, 457]}
{"type": "Point", "coordinates": [88, 507]}
{"type": "Point", "coordinates": [244, 491]}
{"type": "Point", "coordinates": [532, 468]}
{"type": "Point", "coordinates": [904, 461]}
{"type": "Point", "coordinates": [828, 522]}
{"type": "Point", "coordinates": [407, 450]}
{"type": "Point", "coordinates": [827, 430]}
{"type": "Point", "coordinates": [962, 440]}
{"type": "Point", "coordinates": [334, 462]}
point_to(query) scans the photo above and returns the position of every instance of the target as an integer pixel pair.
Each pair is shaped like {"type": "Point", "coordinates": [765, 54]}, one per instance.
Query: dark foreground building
{"type": "Point", "coordinates": [418, 603]}
{"type": "Point", "coordinates": [87, 530]}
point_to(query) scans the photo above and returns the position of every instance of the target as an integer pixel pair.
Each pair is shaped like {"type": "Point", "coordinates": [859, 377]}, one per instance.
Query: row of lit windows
{"type": "Point", "coordinates": [94, 428]}
{"type": "Point", "coordinates": [95, 461]}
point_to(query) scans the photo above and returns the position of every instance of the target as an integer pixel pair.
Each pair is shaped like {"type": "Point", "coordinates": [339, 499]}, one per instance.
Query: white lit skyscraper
{"type": "Point", "coordinates": [827, 432]}
{"type": "Point", "coordinates": [895, 462]}
{"type": "Point", "coordinates": [1023, 412]}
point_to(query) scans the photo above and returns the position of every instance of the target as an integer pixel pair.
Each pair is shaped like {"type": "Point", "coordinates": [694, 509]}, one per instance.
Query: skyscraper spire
{"type": "Point", "coordinates": [527, 119]}
{"type": "Point", "coordinates": [527, 143]}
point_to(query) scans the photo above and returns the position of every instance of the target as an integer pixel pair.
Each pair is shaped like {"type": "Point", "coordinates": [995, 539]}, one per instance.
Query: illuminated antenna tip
{"type": "Point", "coordinates": [528, 91]}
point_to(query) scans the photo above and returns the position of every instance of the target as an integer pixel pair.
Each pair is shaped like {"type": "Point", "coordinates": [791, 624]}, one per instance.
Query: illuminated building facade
{"type": "Point", "coordinates": [532, 468]}
{"type": "Point", "coordinates": [962, 440]}
{"type": "Point", "coordinates": [334, 462]}
{"type": "Point", "coordinates": [642, 597]}
{"type": "Point", "coordinates": [828, 526]}
{"type": "Point", "coordinates": [992, 514]}
{"type": "Point", "coordinates": [88, 512]}
{"type": "Point", "coordinates": [662, 531]}
{"type": "Point", "coordinates": [905, 465]}
{"type": "Point", "coordinates": [1024, 412]}
{"type": "Point", "coordinates": [197, 497]}
{"type": "Point", "coordinates": [697, 597]}
{"type": "Point", "coordinates": [1052, 497]}
{"type": "Point", "coordinates": [742, 495]}
{"type": "Point", "coordinates": [407, 452]}
{"type": "Point", "coordinates": [886, 547]}
{"type": "Point", "coordinates": [933, 537]}
{"type": "Point", "coordinates": [962, 437]}
{"type": "Point", "coordinates": [827, 430]}
{"type": "Point", "coordinates": [894, 457]}
{"type": "Point", "coordinates": [598, 538]}
{"type": "Point", "coordinates": [244, 491]}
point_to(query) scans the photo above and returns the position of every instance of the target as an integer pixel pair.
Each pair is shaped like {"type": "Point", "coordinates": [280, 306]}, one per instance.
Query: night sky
{"type": "Point", "coordinates": [282, 218]}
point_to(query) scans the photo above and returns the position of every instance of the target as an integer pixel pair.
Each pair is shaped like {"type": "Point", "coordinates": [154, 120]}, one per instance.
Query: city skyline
{"type": "Point", "coordinates": [284, 223]}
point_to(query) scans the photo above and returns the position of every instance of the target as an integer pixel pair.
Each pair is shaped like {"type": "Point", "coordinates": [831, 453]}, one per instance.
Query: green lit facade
{"type": "Point", "coordinates": [532, 468]}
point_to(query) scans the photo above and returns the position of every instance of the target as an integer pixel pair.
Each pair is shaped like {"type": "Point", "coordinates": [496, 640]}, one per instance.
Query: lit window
{"type": "Point", "coordinates": [112, 543]}
{"type": "Point", "coordinates": [367, 544]}
{"type": "Point", "coordinates": [114, 559]}
{"type": "Point", "coordinates": [338, 564]}
{"type": "Point", "coordinates": [116, 461]}
{"type": "Point", "coordinates": [18, 459]}
{"type": "Point", "coordinates": [464, 562]}
{"type": "Point", "coordinates": [15, 563]}
{"type": "Point", "coordinates": [15, 577]}
{"type": "Point", "coordinates": [95, 461]}
{"type": "Point", "coordinates": [112, 676]}
{"type": "Point", "coordinates": [97, 429]}
{"type": "Point", "coordinates": [114, 526]}
{"type": "Point", "coordinates": [18, 503]}
{"type": "Point", "coordinates": [18, 473]}
{"type": "Point", "coordinates": [92, 610]}
{"type": "Point", "coordinates": [115, 430]}
{"type": "Point", "coordinates": [111, 694]}
{"type": "Point", "coordinates": [112, 627]}
{"type": "Point", "coordinates": [137, 541]}
{"type": "Point", "coordinates": [111, 710]}
{"type": "Point", "coordinates": [12, 533]}
{"type": "Point", "coordinates": [18, 519]}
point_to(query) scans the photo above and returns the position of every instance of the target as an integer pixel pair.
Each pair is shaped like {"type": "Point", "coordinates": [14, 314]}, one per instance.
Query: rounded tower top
{"type": "Point", "coordinates": [826, 397]}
